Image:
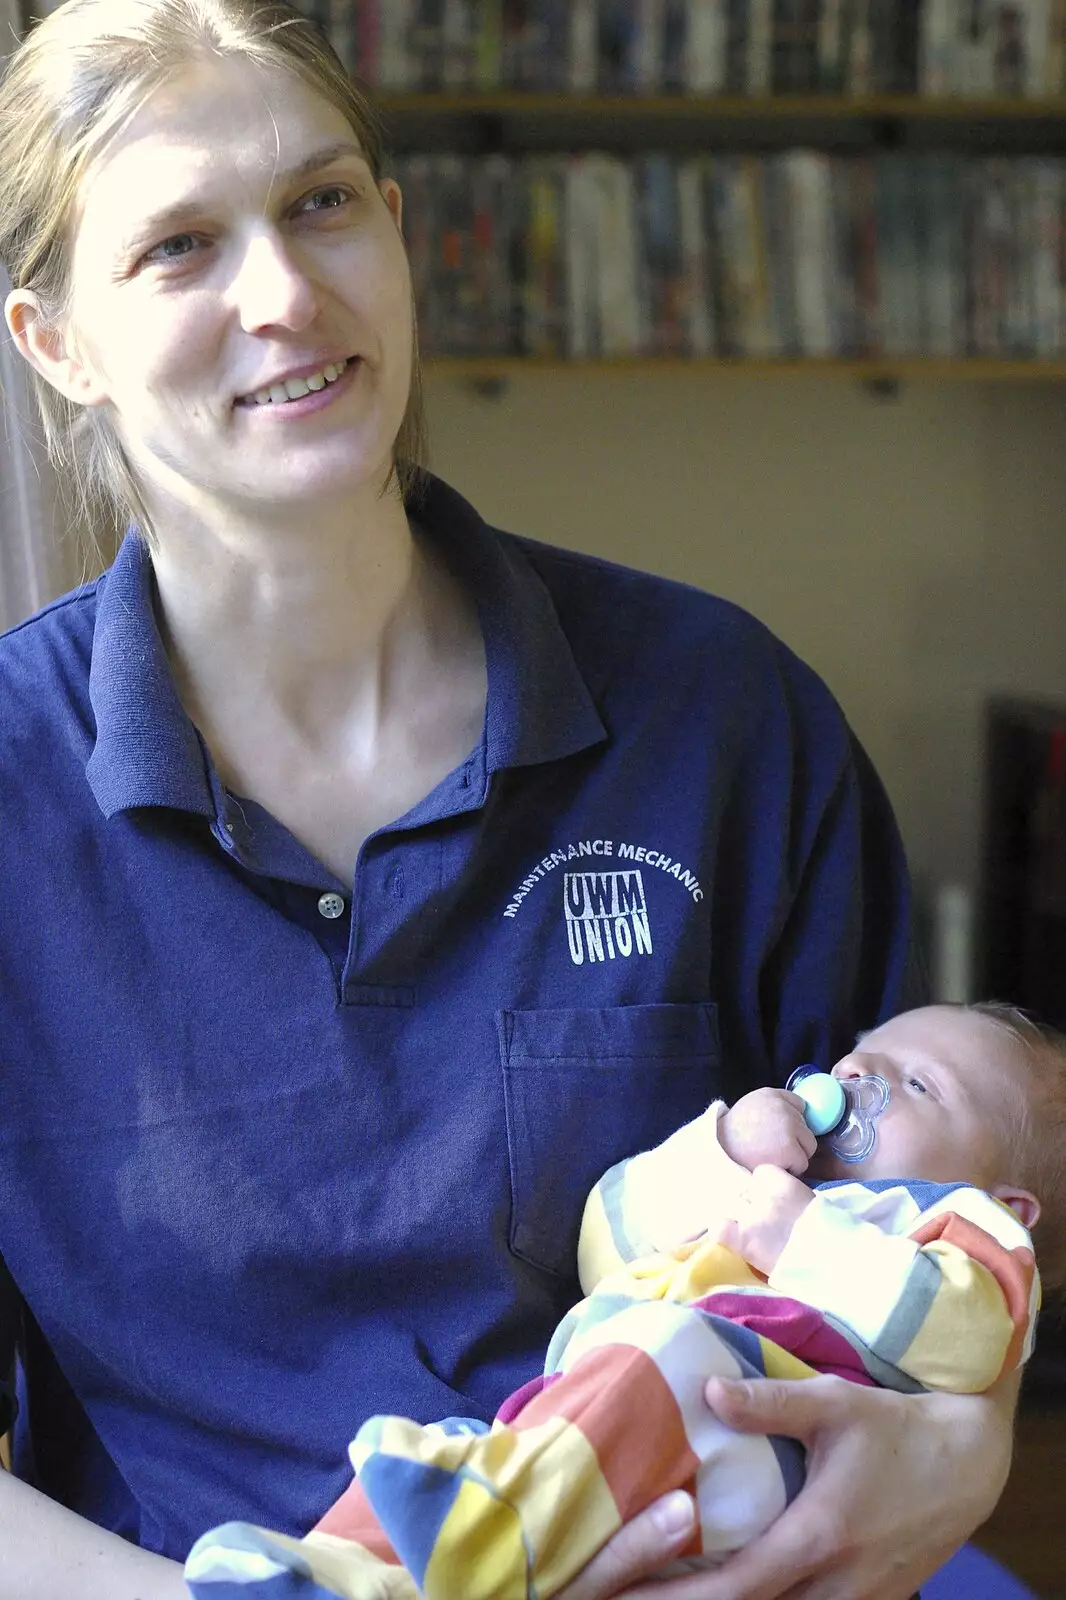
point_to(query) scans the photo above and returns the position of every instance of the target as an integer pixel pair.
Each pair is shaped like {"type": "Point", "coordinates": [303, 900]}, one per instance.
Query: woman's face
{"type": "Point", "coordinates": [233, 235]}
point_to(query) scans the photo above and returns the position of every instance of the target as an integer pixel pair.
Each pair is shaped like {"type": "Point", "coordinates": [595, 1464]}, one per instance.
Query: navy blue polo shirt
{"type": "Point", "coordinates": [277, 1151]}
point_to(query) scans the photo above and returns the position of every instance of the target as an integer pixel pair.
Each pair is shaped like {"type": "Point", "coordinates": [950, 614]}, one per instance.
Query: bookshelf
{"type": "Point", "coordinates": [791, 229]}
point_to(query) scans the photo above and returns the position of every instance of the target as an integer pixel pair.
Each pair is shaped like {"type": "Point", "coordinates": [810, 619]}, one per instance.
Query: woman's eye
{"type": "Point", "coordinates": [315, 201]}
{"type": "Point", "coordinates": [169, 249]}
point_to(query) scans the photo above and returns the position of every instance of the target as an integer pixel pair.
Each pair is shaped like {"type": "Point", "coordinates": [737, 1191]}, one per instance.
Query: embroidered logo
{"type": "Point", "coordinates": [606, 916]}
{"type": "Point", "coordinates": [605, 908]}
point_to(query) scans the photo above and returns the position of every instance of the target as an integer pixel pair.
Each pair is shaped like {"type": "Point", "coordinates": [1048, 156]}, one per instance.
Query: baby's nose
{"type": "Point", "coordinates": [854, 1066]}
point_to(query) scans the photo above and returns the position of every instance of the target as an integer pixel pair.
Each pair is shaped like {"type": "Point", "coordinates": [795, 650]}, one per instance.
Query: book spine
{"type": "Point", "coordinates": [416, 176]}
{"type": "Point", "coordinates": [722, 299]}
{"type": "Point", "coordinates": [935, 67]}
{"type": "Point", "coordinates": [761, 46]}
{"type": "Point", "coordinates": [762, 334]}
{"type": "Point", "coordinates": [616, 45]}
{"type": "Point", "coordinates": [457, 42]}
{"type": "Point", "coordinates": [580, 259]}
{"type": "Point", "coordinates": [652, 249]}
{"type": "Point", "coordinates": [395, 54]}
{"type": "Point", "coordinates": [582, 46]}
{"type": "Point", "coordinates": [1055, 66]}
{"type": "Point", "coordinates": [344, 36]}
{"type": "Point", "coordinates": [735, 80]}
{"type": "Point", "coordinates": [546, 298]}
{"type": "Point", "coordinates": [692, 230]}
{"type": "Point", "coordinates": [869, 308]}
{"type": "Point", "coordinates": [620, 307]}
{"type": "Point", "coordinates": [1045, 277]}
{"type": "Point", "coordinates": [675, 44]}
{"type": "Point", "coordinates": [809, 186]}
{"type": "Point", "coordinates": [513, 25]}
{"type": "Point", "coordinates": [1021, 337]}
{"type": "Point", "coordinates": [426, 45]}
{"type": "Point", "coordinates": [831, 50]}
{"type": "Point", "coordinates": [907, 35]}
{"type": "Point", "coordinates": [783, 27]}
{"type": "Point", "coordinates": [779, 249]}
{"type": "Point", "coordinates": [843, 282]}
{"type": "Point", "coordinates": [647, 47]}
{"type": "Point", "coordinates": [859, 77]}
{"type": "Point", "coordinates": [486, 65]}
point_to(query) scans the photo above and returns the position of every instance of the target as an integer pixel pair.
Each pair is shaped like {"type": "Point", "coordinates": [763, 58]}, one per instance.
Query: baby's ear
{"type": "Point", "coordinates": [1026, 1206]}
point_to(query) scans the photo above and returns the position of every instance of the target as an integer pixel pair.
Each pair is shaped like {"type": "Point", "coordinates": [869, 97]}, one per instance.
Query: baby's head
{"type": "Point", "coordinates": [977, 1094]}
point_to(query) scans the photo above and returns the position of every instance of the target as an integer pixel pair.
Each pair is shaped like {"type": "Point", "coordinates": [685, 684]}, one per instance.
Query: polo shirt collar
{"type": "Point", "coordinates": [148, 753]}
{"type": "Point", "coordinates": [538, 706]}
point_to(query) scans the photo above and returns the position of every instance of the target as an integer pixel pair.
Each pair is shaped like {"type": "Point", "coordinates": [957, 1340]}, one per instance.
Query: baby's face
{"type": "Point", "coordinates": [955, 1082]}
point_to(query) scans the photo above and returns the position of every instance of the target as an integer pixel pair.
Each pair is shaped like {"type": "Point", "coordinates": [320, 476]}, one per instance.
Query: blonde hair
{"type": "Point", "coordinates": [1036, 1145]}
{"type": "Point", "coordinates": [69, 88]}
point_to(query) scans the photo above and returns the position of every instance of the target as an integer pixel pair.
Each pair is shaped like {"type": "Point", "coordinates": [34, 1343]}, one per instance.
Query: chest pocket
{"type": "Point", "coordinates": [583, 1088]}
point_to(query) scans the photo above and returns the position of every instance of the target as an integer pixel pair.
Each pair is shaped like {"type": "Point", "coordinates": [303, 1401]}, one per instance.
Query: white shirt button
{"type": "Point", "coordinates": [331, 905]}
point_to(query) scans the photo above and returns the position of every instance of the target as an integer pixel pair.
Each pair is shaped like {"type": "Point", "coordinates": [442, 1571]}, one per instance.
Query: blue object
{"type": "Point", "coordinates": [824, 1099]}
{"type": "Point", "coordinates": [973, 1575]}
{"type": "Point", "coordinates": [267, 1166]}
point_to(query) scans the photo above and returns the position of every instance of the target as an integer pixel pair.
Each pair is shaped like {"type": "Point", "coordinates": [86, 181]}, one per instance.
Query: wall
{"type": "Point", "coordinates": [911, 549]}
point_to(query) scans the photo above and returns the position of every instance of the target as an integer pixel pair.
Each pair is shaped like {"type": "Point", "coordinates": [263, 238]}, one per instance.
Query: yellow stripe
{"type": "Point", "coordinates": [568, 1513]}
{"type": "Point", "coordinates": [480, 1547]}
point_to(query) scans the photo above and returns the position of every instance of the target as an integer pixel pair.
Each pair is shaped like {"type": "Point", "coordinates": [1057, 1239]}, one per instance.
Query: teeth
{"type": "Point", "coordinates": [294, 388]}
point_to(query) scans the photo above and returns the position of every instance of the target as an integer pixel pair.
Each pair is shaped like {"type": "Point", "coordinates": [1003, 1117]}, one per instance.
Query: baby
{"type": "Point", "coordinates": [911, 1267]}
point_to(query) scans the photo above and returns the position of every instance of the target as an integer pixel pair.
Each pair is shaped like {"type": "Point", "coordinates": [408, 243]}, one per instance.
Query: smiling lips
{"type": "Point", "coordinates": [296, 387]}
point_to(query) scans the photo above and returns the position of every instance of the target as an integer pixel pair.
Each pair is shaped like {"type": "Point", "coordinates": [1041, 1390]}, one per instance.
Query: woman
{"type": "Point", "coordinates": [400, 875]}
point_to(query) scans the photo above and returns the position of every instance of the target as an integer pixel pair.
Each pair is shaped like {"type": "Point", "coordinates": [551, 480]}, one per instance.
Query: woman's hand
{"type": "Point", "coordinates": [895, 1484]}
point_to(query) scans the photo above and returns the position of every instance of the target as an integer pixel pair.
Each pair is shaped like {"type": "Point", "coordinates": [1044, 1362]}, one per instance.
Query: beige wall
{"type": "Point", "coordinates": [912, 549]}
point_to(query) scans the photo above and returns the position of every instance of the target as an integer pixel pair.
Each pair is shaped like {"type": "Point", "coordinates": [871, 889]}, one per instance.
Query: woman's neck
{"type": "Point", "coordinates": [304, 621]}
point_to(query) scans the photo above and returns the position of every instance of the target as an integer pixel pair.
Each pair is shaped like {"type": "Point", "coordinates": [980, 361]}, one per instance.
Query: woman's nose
{"type": "Point", "coordinates": [271, 287]}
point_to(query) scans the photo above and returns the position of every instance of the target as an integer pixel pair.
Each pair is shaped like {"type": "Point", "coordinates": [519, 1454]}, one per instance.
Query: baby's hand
{"type": "Point", "coordinates": [766, 1127]}
{"type": "Point", "coordinates": [766, 1210]}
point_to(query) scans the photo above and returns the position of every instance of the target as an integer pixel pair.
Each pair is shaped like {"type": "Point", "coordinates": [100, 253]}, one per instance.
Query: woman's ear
{"type": "Point", "coordinates": [48, 350]}
{"type": "Point", "coordinates": [390, 193]}
{"type": "Point", "coordinates": [1026, 1206]}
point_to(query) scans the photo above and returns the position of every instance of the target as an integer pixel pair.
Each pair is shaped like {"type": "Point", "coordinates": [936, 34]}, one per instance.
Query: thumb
{"type": "Point", "coordinates": [798, 1409]}
{"type": "Point", "coordinates": [729, 1234]}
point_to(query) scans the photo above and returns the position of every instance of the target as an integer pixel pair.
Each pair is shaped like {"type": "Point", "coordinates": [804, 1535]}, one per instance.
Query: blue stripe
{"type": "Point", "coordinates": [745, 1345]}
{"type": "Point", "coordinates": [411, 1500]}
{"type": "Point", "coordinates": [792, 1461]}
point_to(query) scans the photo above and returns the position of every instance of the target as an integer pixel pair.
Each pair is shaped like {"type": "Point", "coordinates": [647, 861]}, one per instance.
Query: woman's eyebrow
{"type": "Point", "coordinates": [181, 210]}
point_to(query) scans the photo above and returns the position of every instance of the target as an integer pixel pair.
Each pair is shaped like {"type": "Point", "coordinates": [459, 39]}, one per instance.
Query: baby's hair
{"type": "Point", "coordinates": [1038, 1141]}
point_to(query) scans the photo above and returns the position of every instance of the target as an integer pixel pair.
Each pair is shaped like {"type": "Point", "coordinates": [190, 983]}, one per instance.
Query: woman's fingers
{"type": "Point", "coordinates": [645, 1545]}
{"type": "Point", "coordinates": [774, 1405]}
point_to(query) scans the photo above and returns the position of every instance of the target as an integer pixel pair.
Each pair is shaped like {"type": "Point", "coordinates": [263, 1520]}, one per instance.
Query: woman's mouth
{"type": "Point", "coordinates": [298, 396]}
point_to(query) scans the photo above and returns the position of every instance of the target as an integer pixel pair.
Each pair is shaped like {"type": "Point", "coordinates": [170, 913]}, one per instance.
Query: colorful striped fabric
{"type": "Point", "coordinates": [903, 1284]}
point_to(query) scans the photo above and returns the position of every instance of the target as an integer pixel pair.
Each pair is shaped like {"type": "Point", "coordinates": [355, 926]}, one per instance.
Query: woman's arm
{"type": "Point", "coordinates": [49, 1553]}
{"type": "Point", "coordinates": [895, 1484]}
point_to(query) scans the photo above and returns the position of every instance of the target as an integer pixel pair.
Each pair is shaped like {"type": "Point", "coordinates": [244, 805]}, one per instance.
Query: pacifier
{"type": "Point", "coordinates": [842, 1111]}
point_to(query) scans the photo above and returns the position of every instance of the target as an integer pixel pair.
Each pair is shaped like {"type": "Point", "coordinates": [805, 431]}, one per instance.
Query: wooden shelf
{"type": "Point", "coordinates": [504, 102]}
{"type": "Point", "coordinates": [481, 368]}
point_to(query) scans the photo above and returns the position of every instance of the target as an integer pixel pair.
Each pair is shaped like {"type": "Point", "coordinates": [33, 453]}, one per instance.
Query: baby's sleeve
{"type": "Point", "coordinates": [938, 1282]}
{"type": "Point", "coordinates": [654, 1201]}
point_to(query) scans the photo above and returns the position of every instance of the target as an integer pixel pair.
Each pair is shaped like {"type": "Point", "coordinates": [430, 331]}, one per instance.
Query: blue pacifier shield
{"type": "Point", "coordinates": [843, 1111]}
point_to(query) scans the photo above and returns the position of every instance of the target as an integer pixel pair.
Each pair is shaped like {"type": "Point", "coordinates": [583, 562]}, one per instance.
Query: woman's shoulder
{"type": "Point", "coordinates": [703, 651]}
{"type": "Point", "coordinates": [44, 664]}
